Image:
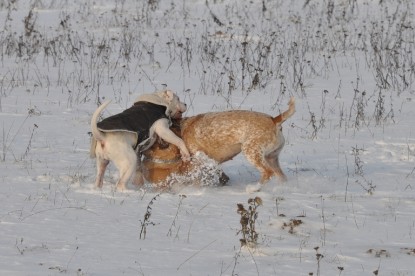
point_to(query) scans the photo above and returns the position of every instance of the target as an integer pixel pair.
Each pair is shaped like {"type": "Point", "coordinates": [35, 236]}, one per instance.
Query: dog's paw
{"type": "Point", "coordinates": [185, 155]}
{"type": "Point", "coordinates": [186, 158]}
{"type": "Point", "coordinates": [253, 188]}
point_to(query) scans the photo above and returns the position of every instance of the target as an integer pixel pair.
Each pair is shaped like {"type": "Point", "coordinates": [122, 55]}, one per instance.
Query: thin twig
{"type": "Point", "coordinates": [206, 246]}
{"type": "Point", "coordinates": [58, 208]}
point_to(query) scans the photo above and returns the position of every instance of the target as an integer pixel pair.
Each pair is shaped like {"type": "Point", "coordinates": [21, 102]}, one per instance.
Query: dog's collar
{"type": "Point", "coordinates": [162, 161]}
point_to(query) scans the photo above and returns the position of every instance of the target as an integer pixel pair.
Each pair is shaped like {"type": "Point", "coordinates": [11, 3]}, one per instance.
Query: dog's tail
{"type": "Point", "coordinates": [286, 114]}
{"type": "Point", "coordinates": [96, 134]}
{"type": "Point", "coordinates": [95, 131]}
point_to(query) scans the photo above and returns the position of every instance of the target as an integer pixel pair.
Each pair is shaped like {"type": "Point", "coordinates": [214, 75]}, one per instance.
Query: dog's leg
{"type": "Point", "coordinates": [162, 129]}
{"type": "Point", "coordinates": [126, 165]}
{"type": "Point", "coordinates": [256, 157]}
{"type": "Point", "coordinates": [138, 178]}
{"type": "Point", "coordinates": [266, 173]}
{"type": "Point", "coordinates": [273, 160]}
{"type": "Point", "coordinates": [101, 167]}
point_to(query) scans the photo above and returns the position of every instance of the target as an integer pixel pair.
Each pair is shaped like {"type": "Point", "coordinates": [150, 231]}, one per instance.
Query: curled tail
{"type": "Point", "coordinates": [96, 134]}
{"type": "Point", "coordinates": [286, 114]}
{"type": "Point", "coordinates": [95, 131]}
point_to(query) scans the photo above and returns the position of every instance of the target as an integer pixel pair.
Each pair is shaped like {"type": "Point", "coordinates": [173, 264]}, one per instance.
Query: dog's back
{"type": "Point", "coordinates": [221, 134]}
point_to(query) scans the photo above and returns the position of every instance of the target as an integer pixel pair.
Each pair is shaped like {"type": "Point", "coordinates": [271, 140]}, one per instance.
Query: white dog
{"type": "Point", "coordinates": [120, 137]}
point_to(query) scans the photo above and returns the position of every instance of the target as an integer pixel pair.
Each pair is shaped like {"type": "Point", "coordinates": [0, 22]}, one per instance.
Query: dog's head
{"type": "Point", "coordinates": [161, 160]}
{"type": "Point", "coordinates": [175, 108]}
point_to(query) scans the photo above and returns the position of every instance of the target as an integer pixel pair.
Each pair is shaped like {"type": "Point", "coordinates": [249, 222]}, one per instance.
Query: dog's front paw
{"type": "Point", "coordinates": [185, 157]}
{"type": "Point", "coordinates": [253, 188]}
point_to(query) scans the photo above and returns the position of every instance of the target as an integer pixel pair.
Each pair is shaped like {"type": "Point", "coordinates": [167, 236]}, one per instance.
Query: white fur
{"type": "Point", "coordinates": [118, 146]}
{"type": "Point", "coordinates": [204, 172]}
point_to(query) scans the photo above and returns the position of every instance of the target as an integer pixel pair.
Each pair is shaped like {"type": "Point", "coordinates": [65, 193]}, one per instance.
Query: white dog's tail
{"type": "Point", "coordinates": [286, 114]}
{"type": "Point", "coordinates": [98, 135]}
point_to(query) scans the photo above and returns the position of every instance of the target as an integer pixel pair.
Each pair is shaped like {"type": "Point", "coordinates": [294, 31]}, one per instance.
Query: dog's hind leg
{"type": "Point", "coordinates": [126, 165]}
{"type": "Point", "coordinates": [266, 174]}
{"type": "Point", "coordinates": [256, 157]}
{"type": "Point", "coordinates": [272, 159]}
{"type": "Point", "coordinates": [138, 178]}
{"type": "Point", "coordinates": [101, 167]}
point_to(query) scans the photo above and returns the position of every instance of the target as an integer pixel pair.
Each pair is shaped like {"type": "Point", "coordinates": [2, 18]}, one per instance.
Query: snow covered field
{"type": "Point", "coordinates": [348, 207]}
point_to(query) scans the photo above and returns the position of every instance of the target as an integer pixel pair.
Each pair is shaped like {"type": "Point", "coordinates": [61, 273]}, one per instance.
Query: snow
{"type": "Point", "coordinates": [349, 154]}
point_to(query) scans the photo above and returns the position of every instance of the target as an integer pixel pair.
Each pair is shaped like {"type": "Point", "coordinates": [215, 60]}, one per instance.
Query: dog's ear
{"type": "Point", "coordinates": [168, 95]}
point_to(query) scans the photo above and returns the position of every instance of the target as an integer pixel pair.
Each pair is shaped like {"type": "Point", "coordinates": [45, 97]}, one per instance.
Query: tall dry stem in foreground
{"type": "Point", "coordinates": [248, 221]}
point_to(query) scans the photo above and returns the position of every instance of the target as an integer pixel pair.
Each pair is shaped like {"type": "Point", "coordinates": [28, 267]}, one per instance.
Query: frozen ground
{"type": "Point", "coordinates": [349, 154]}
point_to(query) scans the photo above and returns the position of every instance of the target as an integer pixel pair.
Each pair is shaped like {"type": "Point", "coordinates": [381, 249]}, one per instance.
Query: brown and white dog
{"type": "Point", "coordinates": [119, 144]}
{"type": "Point", "coordinates": [223, 135]}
